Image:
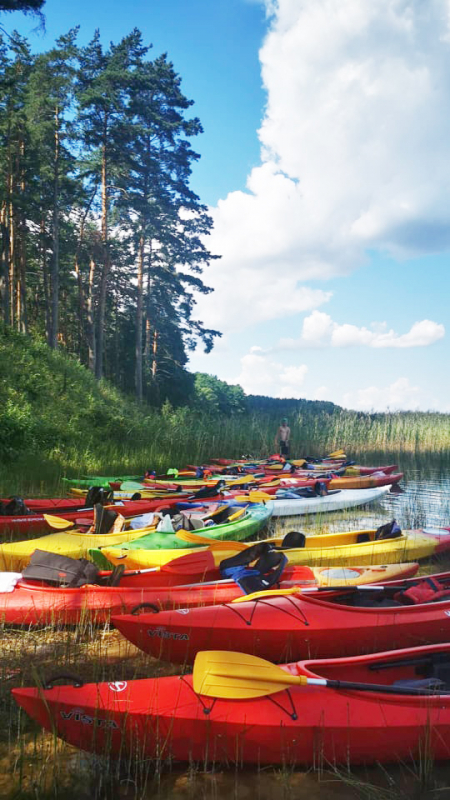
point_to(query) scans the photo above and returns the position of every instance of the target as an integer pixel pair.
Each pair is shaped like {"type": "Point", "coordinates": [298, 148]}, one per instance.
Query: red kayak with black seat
{"type": "Point", "coordinates": [235, 709]}
{"type": "Point", "coordinates": [301, 625]}
{"type": "Point", "coordinates": [58, 590]}
{"type": "Point", "coordinates": [33, 520]}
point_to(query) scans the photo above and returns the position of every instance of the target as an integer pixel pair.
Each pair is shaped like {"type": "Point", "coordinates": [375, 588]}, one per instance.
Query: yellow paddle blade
{"type": "Point", "coordinates": [254, 497]}
{"type": "Point", "coordinates": [298, 462]}
{"type": "Point", "coordinates": [217, 511]}
{"type": "Point", "coordinates": [58, 522]}
{"type": "Point", "coordinates": [337, 454]}
{"type": "Point", "coordinates": [266, 593]}
{"type": "Point", "coordinates": [238, 481]}
{"type": "Point", "coordinates": [237, 514]}
{"type": "Point", "coordinates": [195, 538]}
{"type": "Point", "coordinates": [220, 673]}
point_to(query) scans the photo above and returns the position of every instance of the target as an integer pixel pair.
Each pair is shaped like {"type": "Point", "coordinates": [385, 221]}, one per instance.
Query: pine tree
{"type": "Point", "coordinates": [16, 176]}
{"type": "Point", "coordinates": [166, 217]}
{"type": "Point", "coordinates": [49, 101]}
{"type": "Point", "coordinates": [103, 86]}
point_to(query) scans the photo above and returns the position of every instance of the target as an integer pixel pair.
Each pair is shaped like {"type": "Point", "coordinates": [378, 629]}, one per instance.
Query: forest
{"type": "Point", "coordinates": [102, 239]}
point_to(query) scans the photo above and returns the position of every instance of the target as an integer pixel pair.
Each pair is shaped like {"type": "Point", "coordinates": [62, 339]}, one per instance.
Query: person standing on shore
{"type": "Point", "coordinates": [282, 438]}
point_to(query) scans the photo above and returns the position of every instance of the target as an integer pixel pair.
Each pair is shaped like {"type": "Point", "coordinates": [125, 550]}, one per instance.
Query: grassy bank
{"type": "Point", "coordinates": [56, 419]}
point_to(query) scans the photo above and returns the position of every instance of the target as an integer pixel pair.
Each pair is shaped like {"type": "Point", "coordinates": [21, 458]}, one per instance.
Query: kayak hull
{"type": "Point", "coordinates": [338, 549]}
{"type": "Point", "coordinates": [365, 481]}
{"type": "Point", "coordinates": [71, 510]}
{"type": "Point", "coordinates": [164, 718]}
{"type": "Point", "coordinates": [289, 627]}
{"type": "Point", "coordinates": [255, 518]}
{"type": "Point", "coordinates": [34, 603]}
{"type": "Point", "coordinates": [348, 498]}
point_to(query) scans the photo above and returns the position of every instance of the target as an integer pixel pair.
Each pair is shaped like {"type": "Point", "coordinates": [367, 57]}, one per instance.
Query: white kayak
{"type": "Point", "coordinates": [346, 498]}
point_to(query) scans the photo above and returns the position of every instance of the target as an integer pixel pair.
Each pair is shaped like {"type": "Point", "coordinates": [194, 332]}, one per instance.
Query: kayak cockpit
{"type": "Point", "coordinates": [425, 668]}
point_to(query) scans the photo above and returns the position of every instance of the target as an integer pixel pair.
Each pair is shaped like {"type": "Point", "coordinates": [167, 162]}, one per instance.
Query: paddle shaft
{"type": "Point", "coordinates": [303, 680]}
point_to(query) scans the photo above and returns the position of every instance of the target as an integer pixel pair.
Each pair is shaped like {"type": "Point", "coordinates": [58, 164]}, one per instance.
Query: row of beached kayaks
{"type": "Point", "coordinates": [277, 630]}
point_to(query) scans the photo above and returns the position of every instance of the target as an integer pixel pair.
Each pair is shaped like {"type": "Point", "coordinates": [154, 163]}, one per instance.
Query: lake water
{"type": "Point", "coordinates": [36, 765]}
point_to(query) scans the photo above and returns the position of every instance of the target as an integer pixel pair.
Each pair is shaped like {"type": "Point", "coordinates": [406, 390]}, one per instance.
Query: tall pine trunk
{"type": "Point", "coordinates": [106, 264]}
{"type": "Point", "coordinates": [139, 319]}
{"type": "Point", "coordinates": [11, 262]}
{"type": "Point", "coordinates": [4, 271]}
{"type": "Point", "coordinates": [53, 339]}
{"type": "Point", "coordinates": [45, 280]}
{"type": "Point", "coordinates": [90, 318]}
{"type": "Point", "coordinates": [22, 320]}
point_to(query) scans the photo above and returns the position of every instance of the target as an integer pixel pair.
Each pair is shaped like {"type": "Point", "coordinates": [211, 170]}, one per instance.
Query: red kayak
{"type": "Point", "coordinates": [38, 603]}
{"type": "Point", "coordinates": [352, 471]}
{"type": "Point", "coordinates": [378, 708]}
{"type": "Point", "coordinates": [71, 510]}
{"type": "Point", "coordinates": [344, 482]}
{"type": "Point", "coordinates": [300, 625]}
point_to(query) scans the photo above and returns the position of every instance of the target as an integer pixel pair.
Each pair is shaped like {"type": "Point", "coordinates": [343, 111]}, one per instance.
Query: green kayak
{"type": "Point", "coordinates": [255, 517]}
{"type": "Point", "coordinates": [102, 481]}
{"type": "Point", "coordinates": [114, 478]}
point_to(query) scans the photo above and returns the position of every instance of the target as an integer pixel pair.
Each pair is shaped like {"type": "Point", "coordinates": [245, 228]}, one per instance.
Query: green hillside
{"type": "Point", "coordinates": [56, 419]}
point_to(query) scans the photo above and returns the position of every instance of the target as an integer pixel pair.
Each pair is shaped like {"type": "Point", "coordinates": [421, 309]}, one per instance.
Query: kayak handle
{"type": "Point", "coordinates": [151, 606]}
{"type": "Point", "coordinates": [66, 676]}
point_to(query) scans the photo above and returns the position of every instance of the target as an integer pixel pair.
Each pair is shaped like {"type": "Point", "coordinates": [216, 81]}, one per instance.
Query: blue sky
{"type": "Point", "coordinates": [325, 161]}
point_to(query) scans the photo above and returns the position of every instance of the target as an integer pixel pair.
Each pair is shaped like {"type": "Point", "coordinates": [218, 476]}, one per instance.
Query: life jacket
{"type": "Point", "coordinates": [59, 570]}
{"type": "Point", "coordinates": [427, 590]}
{"type": "Point", "coordinates": [265, 573]}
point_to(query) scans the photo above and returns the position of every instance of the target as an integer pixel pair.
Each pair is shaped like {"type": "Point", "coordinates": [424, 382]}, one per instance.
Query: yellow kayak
{"type": "Point", "coordinates": [146, 494]}
{"type": "Point", "coordinates": [330, 549]}
{"type": "Point", "coordinates": [15, 556]}
{"type": "Point", "coordinates": [242, 521]}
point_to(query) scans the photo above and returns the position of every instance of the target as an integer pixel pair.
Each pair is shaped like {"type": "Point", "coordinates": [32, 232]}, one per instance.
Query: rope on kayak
{"type": "Point", "coordinates": [206, 709]}
{"type": "Point", "coordinates": [293, 713]}
{"type": "Point", "coordinates": [299, 616]}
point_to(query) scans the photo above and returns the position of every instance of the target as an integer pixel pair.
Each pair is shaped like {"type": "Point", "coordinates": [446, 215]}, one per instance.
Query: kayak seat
{"type": "Point", "coordinates": [266, 572]}
{"type": "Point", "coordinates": [293, 539]}
{"type": "Point", "coordinates": [388, 531]}
{"type": "Point", "coordinates": [209, 491]}
{"type": "Point", "coordinates": [182, 521]}
{"type": "Point", "coordinates": [197, 523]}
{"type": "Point", "coordinates": [96, 494]}
{"type": "Point", "coordinates": [245, 557]}
{"type": "Point", "coordinates": [16, 507]}
{"type": "Point", "coordinates": [191, 522]}
{"type": "Point", "coordinates": [222, 514]}
{"type": "Point", "coordinates": [105, 520]}
{"type": "Point", "coordinates": [362, 537]}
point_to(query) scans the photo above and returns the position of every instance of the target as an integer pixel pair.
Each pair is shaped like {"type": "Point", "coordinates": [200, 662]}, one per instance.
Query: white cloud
{"type": "Point", "coordinates": [355, 155]}
{"type": "Point", "coordinates": [260, 375]}
{"type": "Point", "coordinates": [398, 396]}
{"type": "Point", "coordinates": [321, 393]}
{"type": "Point", "coordinates": [319, 330]}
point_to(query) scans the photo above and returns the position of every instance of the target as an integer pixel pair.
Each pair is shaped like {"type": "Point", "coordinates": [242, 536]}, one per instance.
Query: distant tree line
{"type": "Point", "coordinates": [101, 236]}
